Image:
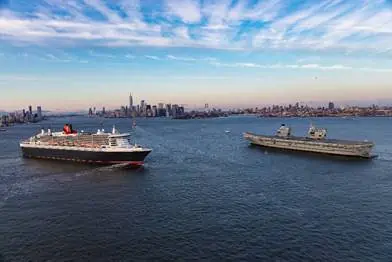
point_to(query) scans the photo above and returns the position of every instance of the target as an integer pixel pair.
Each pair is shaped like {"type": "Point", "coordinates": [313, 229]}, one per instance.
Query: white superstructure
{"type": "Point", "coordinates": [100, 141]}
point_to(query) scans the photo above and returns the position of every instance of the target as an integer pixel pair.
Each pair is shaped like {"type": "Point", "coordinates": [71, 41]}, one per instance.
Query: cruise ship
{"type": "Point", "coordinates": [97, 148]}
{"type": "Point", "coordinates": [315, 142]}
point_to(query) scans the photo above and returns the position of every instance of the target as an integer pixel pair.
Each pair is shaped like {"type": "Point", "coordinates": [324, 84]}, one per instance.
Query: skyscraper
{"type": "Point", "coordinates": [143, 108]}
{"type": "Point", "coordinates": [39, 113]}
{"type": "Point", "coordinates": [30, 114]}
{"type": "Point", "coordinates": [168, 110]}
{"type": "Point", "coordinates": [130, 101]}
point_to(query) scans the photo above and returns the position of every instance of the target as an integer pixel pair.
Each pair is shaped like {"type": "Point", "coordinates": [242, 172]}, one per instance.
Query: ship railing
{"type": "Point", "coordinates": [91, 141]}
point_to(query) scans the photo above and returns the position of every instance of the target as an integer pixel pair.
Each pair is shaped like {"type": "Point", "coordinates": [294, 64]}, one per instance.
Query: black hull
{"type": "Point", "coordinates": [131, 158]}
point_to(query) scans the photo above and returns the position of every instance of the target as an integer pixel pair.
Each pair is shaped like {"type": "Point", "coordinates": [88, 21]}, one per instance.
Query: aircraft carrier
{"type": "Point", "coordinates": [315, 142]}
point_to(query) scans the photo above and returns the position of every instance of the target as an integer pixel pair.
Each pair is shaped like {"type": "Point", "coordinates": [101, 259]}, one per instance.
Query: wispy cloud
{"type": "Point", "coordinates": [63, 58]}
{"type": "Point", "coordinates": [187, 10]}
{"type": "Point", "coordinates": [152, 57]}
{"type": "Point", "coordinates": [218, 24]}
{"type": "Point", "coordinates": [186, 59]}
{"type": "Point", "coordinates": [53, 58]}
{"type": "Point", "coordinates": [102, 8]}
{"type": "Point", "coordinates": [336, 67]}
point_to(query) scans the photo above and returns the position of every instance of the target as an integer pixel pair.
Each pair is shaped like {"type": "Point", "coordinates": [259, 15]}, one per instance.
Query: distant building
{"type": "Point", "coordinates": [161, 112]}
{"type": "Point", "coordinates": [175, 111]}
{"type": "Point", "coordinates": [142, 108]}
{"type": "Point", "coordinates": [123, 111]}
{"type": "Point", "coordinates": [168, 110]}
{"type": "Point", "coordinates": [148, 111]}
{"type": "Point", "coordinates": [181, 110]}
{"type": "Point", "coordinates": [154, 111]}
{"type": "Point", "coordinates": [130, 101]}
{"type": "Point", "coordinates": [331, 106]}
{"type": "Point", "coordinates": [39, 112]}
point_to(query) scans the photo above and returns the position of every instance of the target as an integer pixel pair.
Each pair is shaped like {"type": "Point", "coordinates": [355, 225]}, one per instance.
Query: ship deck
{"type": "Point", "coordinates": [306, 139]}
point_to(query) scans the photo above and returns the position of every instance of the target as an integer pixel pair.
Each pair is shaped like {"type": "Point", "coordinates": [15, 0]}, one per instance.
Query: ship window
{"type": "Point", "coordinates": [113, 142]}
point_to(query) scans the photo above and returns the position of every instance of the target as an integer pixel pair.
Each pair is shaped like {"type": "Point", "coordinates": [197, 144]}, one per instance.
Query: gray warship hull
{"type": "Point", "coordinates": [323, 146]}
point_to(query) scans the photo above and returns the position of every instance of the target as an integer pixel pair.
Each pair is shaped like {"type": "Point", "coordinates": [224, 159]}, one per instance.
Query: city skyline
{"type": "Point", "coordinates": [69, 55]}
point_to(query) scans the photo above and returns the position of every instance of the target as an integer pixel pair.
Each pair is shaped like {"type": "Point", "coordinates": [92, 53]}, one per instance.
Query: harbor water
{"type": "Point", "coordinates": [203, 194]}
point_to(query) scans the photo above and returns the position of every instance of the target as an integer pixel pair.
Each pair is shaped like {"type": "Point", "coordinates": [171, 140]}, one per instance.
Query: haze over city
{"type": "Point", "coordinates": [69, 55]}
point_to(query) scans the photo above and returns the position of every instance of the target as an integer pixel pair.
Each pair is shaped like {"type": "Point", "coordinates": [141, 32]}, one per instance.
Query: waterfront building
{"type": "Point", "coordinates": [331, 106]}
{"type": "Point", "coordinates": [4, 120]}
{"type": "Point", "coordinates": [168, 110]}
{"type": "Point", "coordinates": [148, 112]}
{"type": "Point", "coordinates": [39, 113]}
{"type": "Point", "coordinates": [123, 111]}
{"type": "Point", "coordinates": [142, 108]}
{"type": "Point", "coordinates": [175, 111]}
{"type": "Point", "coordinates": [161, 112]}
{"type": "Point", "coordinates": [130, 101]}
{"type": "Point", "coordinates": [154, 111]}
{"type": "Point", "coordinates": [30, 114]}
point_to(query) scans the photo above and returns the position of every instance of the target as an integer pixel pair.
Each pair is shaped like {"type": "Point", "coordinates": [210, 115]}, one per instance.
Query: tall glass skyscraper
{"type": "Point", "coordinates": [130, 101]}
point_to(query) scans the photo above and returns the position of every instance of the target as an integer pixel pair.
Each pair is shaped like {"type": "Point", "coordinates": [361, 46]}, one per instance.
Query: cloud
{"type": "Point", "coordinates": [181, 32]}
{"type": "Point", "coordinates": [99, 6]}
{"type": "Point", "coordinates": [218, 24]}
{"type": "Point", "coordinates": [187, 10]}
{"type": "Point", "coordinates": [186, 59]}
{"type": "Point", "coordinates": [53, 58]}
{"type": "Point", "coordinates": [61, 58]}
{"type": "Point", "coordinates": [152, 57]}
{"type": "Point", "coordinates": [336, 67]}
{"type": "Point", "coordinates": [191, 59]}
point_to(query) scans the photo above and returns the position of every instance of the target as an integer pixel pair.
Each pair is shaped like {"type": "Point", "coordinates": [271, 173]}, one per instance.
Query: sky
{"type": "Point", "coordinates": [69, 55]}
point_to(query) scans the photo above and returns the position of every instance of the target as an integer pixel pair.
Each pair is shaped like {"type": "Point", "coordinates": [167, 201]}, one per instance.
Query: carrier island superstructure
{"type": "Point", "coordinates": [315, 142]}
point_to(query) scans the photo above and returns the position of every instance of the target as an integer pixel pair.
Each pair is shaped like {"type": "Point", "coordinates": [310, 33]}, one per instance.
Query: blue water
{"type": "Point", "coordinates": [203, 194]}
